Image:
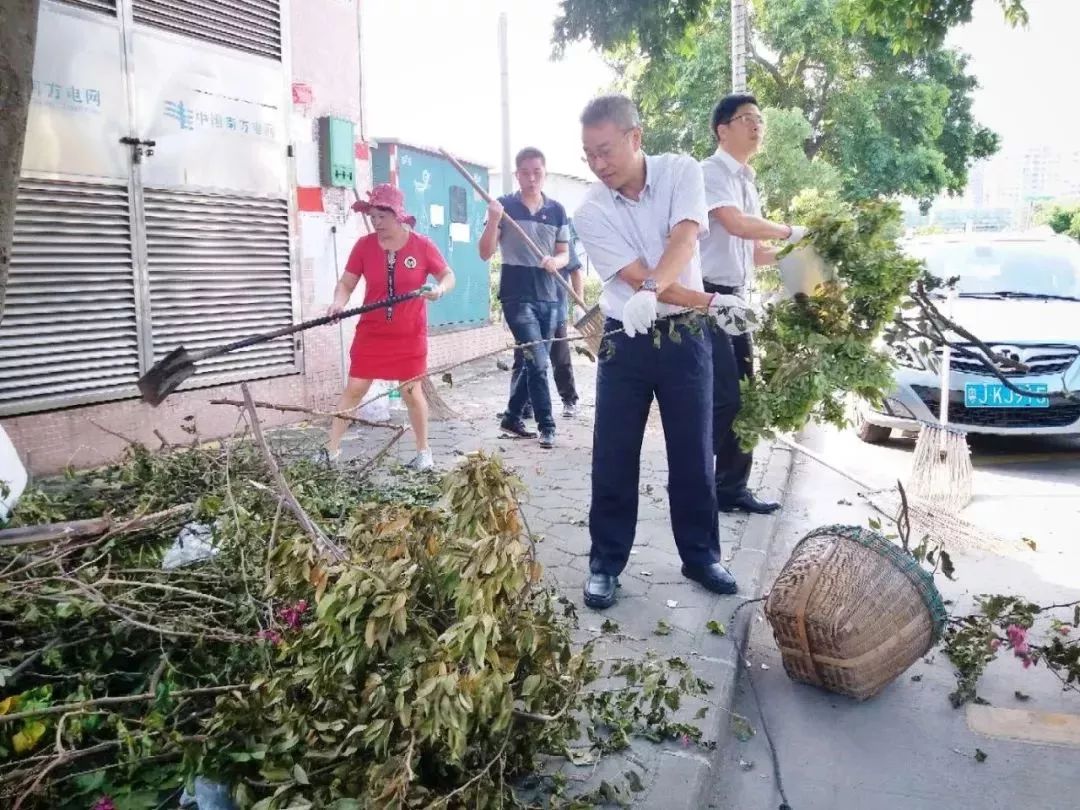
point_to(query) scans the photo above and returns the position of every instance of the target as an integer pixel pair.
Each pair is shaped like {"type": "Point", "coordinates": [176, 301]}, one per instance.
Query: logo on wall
{"type": "Point", "coordinates": [191, 119]}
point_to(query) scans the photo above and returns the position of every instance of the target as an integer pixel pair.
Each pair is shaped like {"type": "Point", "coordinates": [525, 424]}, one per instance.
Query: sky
{"type": "Point", "coordinates": [432, 76]}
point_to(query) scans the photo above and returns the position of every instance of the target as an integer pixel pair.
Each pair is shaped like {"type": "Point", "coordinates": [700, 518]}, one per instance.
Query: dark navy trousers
{"type": "Point", "coordinates": [733, 361]}
{"type": "Point", "coordinates": [678, 374]}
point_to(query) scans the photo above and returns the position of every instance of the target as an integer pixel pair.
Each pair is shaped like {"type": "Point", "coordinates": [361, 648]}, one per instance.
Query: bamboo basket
{"type": "Point", "coordinates": [851, 611]}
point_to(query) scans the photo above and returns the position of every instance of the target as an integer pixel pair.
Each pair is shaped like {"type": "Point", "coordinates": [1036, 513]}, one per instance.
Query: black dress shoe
{"type": "Point", "coordinates": [713, 577]}
{"type": "Point", "coordinates": [746, 502]}
{"type": "Point", "coordinates": [600, 591]}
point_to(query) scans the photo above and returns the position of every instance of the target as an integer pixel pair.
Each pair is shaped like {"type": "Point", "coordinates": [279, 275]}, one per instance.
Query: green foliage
{"type": "Point", "coordinates": [915, 25]}
{"type": "Point", "coordinates": [1062, 218]}
{"type": "Point", "coordinates": [890, 123]}
{"type": "Point", "coordinates": [783, 168]}
{"type": "Point", "coordinates": [908, 25]}
{"type": "Point", "coordinates": [814, 351]}
{"type": "Point", "coordinates": [647, 24]}
{"type": "Point", "coordinates": [429, 666]}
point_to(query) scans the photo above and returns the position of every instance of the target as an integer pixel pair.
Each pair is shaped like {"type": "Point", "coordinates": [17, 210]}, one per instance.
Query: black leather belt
{"type": "Point", "coordinates": [723, 290]}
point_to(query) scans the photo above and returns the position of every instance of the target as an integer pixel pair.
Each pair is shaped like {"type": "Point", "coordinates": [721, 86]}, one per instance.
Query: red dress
{"type": "Point", "coordinates": [391, 343]}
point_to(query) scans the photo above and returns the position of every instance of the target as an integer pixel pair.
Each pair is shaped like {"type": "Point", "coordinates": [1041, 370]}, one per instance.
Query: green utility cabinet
{"type": "Point", "coordinates": [452, 215]}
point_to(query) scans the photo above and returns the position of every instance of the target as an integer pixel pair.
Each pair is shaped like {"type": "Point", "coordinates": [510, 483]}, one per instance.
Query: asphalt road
{"type": "Point", "coordinates": [908, 749]}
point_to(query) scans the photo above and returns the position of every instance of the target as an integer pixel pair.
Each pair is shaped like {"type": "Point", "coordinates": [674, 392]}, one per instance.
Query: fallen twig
{"type": "Point", "coordinates": [117, 700]}
{"type": "Point", "coordinates": [317, 535]}
{"type": "Point", "coordinates": [79, 529]}
{"type": "Point", "coordinates": [297, 409]}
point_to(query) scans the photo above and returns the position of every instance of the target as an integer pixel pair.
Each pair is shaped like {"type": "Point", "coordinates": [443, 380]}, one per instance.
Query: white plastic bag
{"type": "Point", "coordinates": [208, 796]}
{"type": "Point", "coordinates": [379, 409]}
{"type": "Point", "coordinates": [12, 476]}
{"type": "Point", "coordinates": [194, 543]}
{"type": "Point", "coordinates": [803, 271]}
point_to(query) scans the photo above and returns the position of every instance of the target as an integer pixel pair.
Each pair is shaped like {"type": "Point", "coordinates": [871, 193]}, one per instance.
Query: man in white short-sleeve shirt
{"type": "Point", "coordinates": [640, 227]}
{"type": "Point", "coordinates": [730, 252]}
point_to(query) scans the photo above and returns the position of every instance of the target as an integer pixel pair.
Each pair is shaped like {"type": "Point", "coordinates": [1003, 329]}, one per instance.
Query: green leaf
{"type": "Point", "coordinates": [583, 756]}
{"type": "Point", "coordinates": [634, 781]}
{"type": "Point", "coordinates": [980, 755]}
{"type": "Point", "coordinates": [448, 378]}
{"type": "Point", "coordinates": [530, 685]}
{"type": "Point", "coordinates": [662, 629]}
{"type": "Point", "coordinates": [300, 775]}
{"type": "Point", "coordinates": [609, 626]}
{"type": "Point", "coordinates": [704, 710]}
{"type": "Point", "coordinates": [1021, 696]}
{"type": "Point", "coordinates": [741, 728]}
{"type": "Point", "coordinates": [1030, 544]}
{"type": "Point", "coordinates": [716, 628]}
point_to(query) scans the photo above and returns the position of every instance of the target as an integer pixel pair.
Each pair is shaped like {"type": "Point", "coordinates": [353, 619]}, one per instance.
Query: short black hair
{"type": "Point", "coordinates": [619, 110]}
{"type": "Point", "coordinates": [529, 153]}
{"type": "Point", "coordinates": [726, 108]}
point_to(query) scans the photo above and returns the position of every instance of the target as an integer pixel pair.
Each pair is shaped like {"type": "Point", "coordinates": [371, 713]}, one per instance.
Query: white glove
{"type": "Point", "coordinates": [797, 234]}
{"type": "Point", "coordinates": [732, 314]}
{"type": "Point", "coordinates": [639, 314]}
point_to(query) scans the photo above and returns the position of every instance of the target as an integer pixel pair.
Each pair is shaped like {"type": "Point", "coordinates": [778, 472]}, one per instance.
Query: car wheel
{"type": "Point", "coordinates": [873, 434]}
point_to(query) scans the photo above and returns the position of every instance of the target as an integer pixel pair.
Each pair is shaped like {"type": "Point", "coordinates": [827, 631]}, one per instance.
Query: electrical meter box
{"type": "Point", "coordinates": [337, 153]}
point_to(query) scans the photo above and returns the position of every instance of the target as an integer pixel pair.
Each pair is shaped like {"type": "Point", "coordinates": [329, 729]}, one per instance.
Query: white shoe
{"type": "Point", "coordinates": [423, 461]}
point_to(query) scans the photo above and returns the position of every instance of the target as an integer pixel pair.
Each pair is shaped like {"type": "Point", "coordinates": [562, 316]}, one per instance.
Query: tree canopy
{"type": "Point", "coordinates": [885, 121]}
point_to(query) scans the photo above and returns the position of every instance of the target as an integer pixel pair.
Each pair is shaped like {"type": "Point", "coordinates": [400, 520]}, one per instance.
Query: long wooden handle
{"type": "Point", "coordinates": [300, 327]}
{"type": "Point", "coordinates": [517, 228]}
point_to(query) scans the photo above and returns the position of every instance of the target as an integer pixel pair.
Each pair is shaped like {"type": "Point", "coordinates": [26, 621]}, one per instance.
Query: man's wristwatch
{"type": "Point", "coordinates": [649, 285]}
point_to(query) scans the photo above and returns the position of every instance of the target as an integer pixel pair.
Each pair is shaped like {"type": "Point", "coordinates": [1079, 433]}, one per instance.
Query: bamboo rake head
{"type": "Point", "coordinates": [591, 327]}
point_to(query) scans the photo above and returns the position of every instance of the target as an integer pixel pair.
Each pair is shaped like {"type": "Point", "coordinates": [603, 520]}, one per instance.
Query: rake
{"type": "Point", "coordinates": [591, 326]}
{"type": "Point", "coordinates": [941, 468]}
{"type": "Point", "coordinates": [168, 373]}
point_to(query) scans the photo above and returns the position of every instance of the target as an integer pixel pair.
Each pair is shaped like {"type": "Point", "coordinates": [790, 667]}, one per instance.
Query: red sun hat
{"type": "Point", "coordinates": [386, 196]}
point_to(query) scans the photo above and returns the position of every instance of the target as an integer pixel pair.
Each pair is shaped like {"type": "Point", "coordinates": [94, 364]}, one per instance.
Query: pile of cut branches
{"type": "Point", "coordinates": [425, 664]}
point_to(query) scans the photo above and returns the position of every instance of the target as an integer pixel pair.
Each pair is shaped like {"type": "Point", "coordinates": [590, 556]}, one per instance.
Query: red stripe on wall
{"type": "Point", "coordinates": [309, 199]}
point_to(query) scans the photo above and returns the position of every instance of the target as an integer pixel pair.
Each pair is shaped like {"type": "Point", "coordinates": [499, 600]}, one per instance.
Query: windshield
{"type": "Point", "coordinates": [1023, 268]}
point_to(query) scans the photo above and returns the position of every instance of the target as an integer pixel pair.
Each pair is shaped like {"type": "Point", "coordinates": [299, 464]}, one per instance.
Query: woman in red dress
{"type": "Point", "coordinates": [390, 343]}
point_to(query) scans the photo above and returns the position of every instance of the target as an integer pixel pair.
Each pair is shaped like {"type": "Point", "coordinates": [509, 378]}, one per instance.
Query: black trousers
{"type": "Point", "coordinates": [676, 374]}
{"type": "Point", "coordinates": [733, 360]}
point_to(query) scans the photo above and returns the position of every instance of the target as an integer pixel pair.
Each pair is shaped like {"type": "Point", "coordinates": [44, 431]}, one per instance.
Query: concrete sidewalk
{"type": "Point", "coordinates": [556, 509]}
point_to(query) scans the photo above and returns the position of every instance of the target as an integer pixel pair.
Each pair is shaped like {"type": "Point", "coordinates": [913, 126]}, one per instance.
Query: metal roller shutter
{"type": "Point", "coordinates": [219, 270]}
{"type": "Point", "coordinates": [69, 333]}
{"type": "Point", "coordinates": [107, 6]}
{"type": "Point", "coordinates": [247, 25]}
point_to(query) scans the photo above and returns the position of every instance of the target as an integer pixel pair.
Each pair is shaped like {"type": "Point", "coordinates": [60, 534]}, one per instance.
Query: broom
{"type": "Point", "coordinates": [438, 409]}
{"type": "Point", "coordinates": [941, 468]}
{"type": "Point", "coordinates": [591, 326]}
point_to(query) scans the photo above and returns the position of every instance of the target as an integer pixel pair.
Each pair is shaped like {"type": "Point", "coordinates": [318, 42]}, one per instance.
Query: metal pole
{"type": "Point", "coordinates": [738, 46]}
{"type": "Point", "coordinates": [504, 72]}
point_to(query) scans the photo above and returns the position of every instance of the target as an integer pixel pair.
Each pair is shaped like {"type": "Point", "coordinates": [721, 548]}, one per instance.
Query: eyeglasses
{"type": "Point", "coordinates": [750, 118]}
{"type": "Point", "coordinates": [605, 152]}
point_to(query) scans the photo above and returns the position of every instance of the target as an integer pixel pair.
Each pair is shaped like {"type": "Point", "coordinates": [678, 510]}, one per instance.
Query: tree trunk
{"type": "Point", "coordinates": [18, 35]}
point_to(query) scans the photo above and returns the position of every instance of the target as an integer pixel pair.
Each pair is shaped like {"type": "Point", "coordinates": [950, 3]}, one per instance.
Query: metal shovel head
{"type": "Point", "coordinates": [165, 376]}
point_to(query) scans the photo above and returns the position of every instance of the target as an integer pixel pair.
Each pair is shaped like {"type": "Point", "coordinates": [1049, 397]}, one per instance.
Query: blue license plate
{"type": "Point", "coordinates": [995, 395]}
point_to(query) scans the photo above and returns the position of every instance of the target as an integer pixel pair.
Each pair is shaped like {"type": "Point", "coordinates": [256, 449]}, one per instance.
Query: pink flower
{"type": "Point", "coordinates": [1027, 662]}
{"type": "Point", "coordinates": [1065, 629]}
{"type": "Point", "coordinates": [273, 636]}
{"type": "Point", "coordinates": [293, 616]}
{"type": "Point", "coordinates": [104, 803]}
{"type": "Point", "coordinates": [685, 740]}
{"type": "Point", "coordinates": [1018, 640]}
